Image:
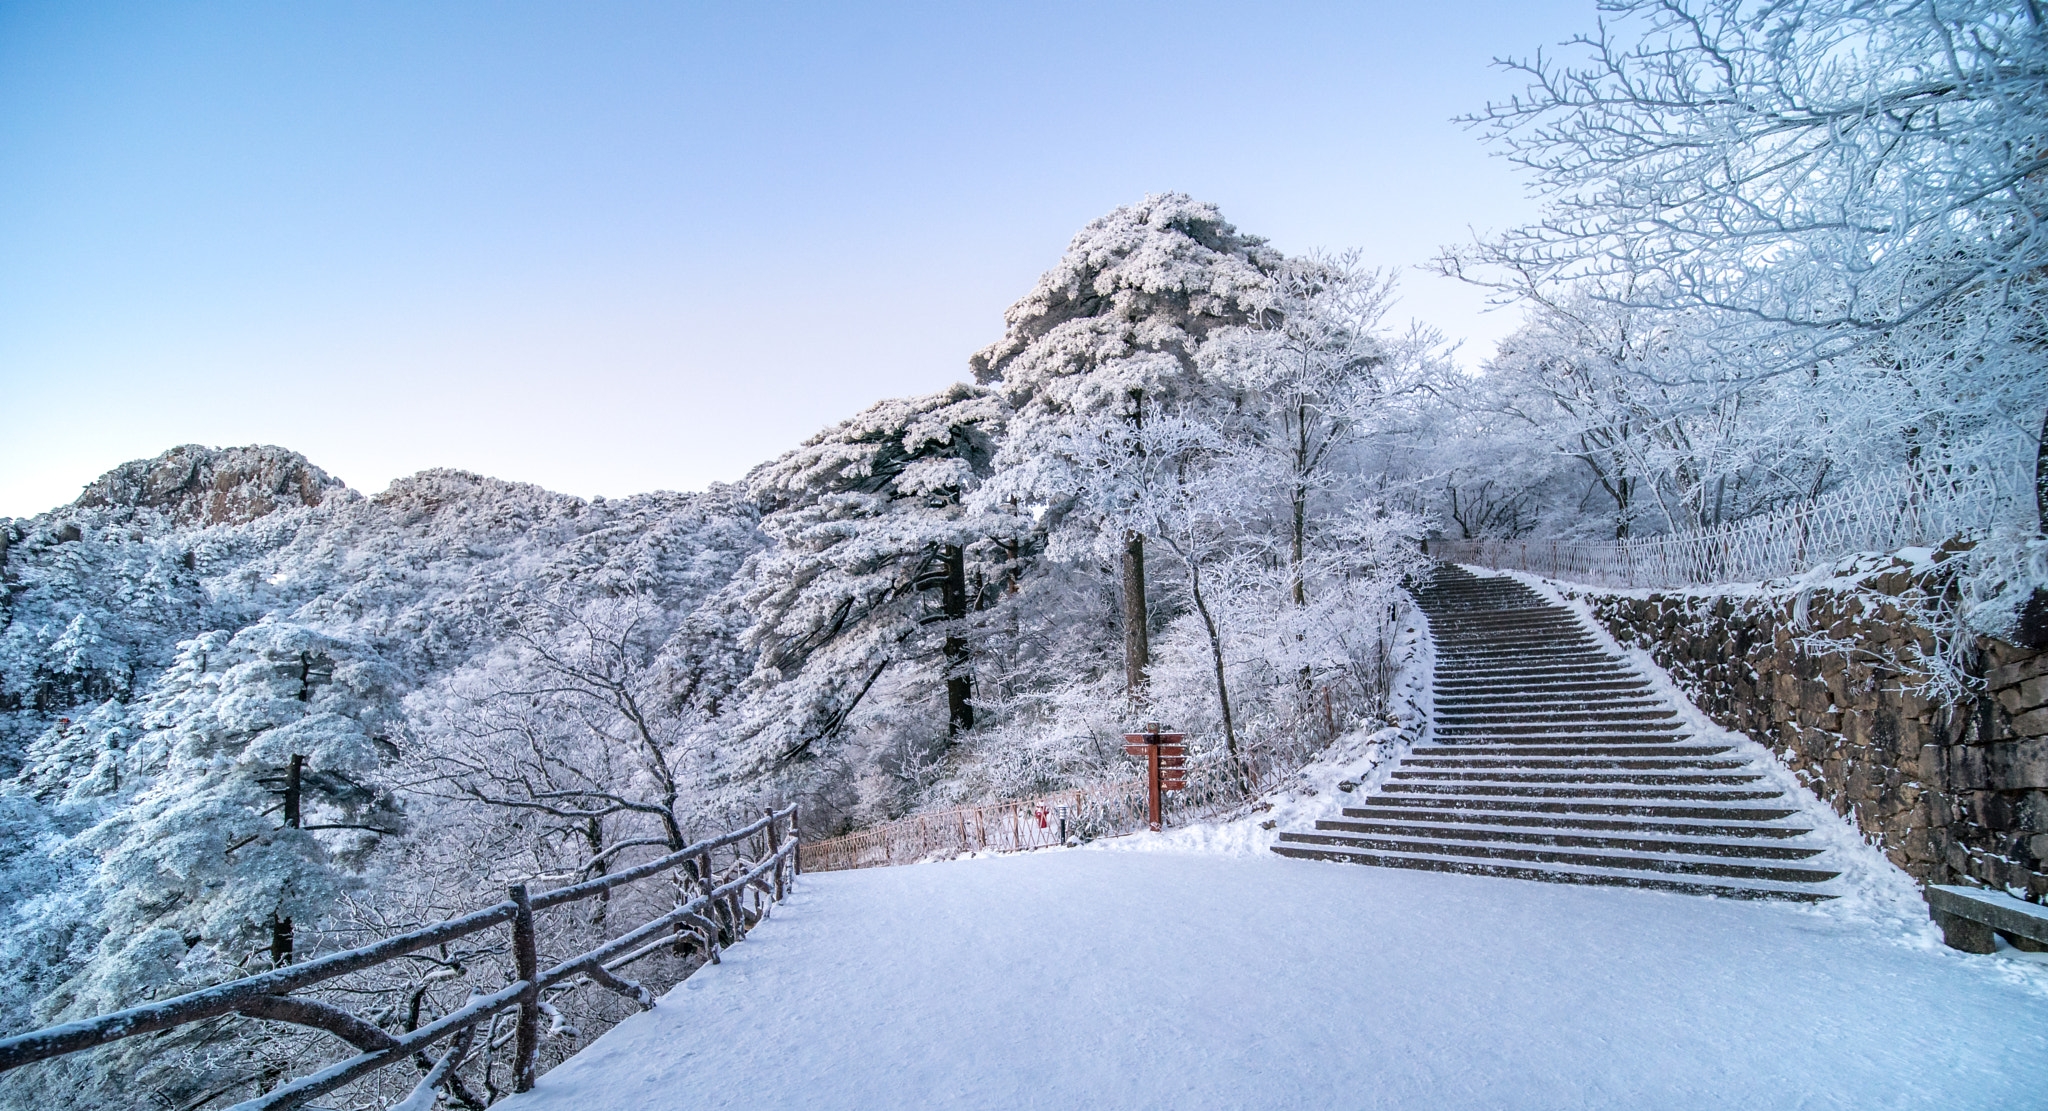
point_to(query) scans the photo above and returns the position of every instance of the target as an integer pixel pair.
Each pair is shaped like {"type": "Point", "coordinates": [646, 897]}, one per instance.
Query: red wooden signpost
{"type": "Point", "coordinates": [1166, 764]}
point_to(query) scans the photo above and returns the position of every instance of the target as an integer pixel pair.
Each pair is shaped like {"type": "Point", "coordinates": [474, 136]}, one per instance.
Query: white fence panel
{"type": "Point", "coordinates": [1876, 514]}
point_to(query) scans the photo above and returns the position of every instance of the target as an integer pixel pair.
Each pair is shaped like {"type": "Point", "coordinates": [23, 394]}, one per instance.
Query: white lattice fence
{"type": "Point", "coordinates": [1877, 514]}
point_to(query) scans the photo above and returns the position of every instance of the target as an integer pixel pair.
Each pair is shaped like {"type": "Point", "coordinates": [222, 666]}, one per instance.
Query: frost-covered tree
{"type": "Point", "coordinates": [869, 580]}
{"type": "Point", "coordinates": [1114, 326]}
{"type": "Point", "coordinates": [1842, 193]}
{"type": "Point", "coordinates": [157, 637]}
{"type": "Point", "coordinates": [238, 800]}
{"type": "Point", "coordinates": [1317, 378]}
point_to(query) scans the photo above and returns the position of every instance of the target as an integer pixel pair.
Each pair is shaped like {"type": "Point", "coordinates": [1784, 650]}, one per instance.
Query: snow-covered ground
{"type": "Point", "coordinates": [1175, 979]}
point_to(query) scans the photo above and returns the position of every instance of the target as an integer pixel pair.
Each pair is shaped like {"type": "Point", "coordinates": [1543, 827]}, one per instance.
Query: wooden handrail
{"type": "Point", "coordinates": [262, 995]}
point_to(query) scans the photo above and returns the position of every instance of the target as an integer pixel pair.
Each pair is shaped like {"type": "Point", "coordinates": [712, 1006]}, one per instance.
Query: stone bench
{"type": "Point", "coordinates": [1968, 916]}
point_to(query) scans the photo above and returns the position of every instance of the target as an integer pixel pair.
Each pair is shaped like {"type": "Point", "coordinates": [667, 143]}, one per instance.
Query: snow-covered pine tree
{"type": "Point", "coordinates": [1113, 327]}
{"type": "Point", "coordinates": [865, 591]}
{"type": "Point", "coordinates": [244, 802]}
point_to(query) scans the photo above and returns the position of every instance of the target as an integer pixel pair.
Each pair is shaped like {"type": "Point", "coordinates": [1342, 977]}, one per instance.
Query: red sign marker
{"type": "Point", "coordinates": [1165, 756]}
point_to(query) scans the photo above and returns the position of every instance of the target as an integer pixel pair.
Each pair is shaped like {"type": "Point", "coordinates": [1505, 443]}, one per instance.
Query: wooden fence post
{"type": "Point", "coordinates": [526, 959]}
{"type": "Point", "coordinates": [796, 858]}
{"type": "Point", "coordinates": [774, 846]}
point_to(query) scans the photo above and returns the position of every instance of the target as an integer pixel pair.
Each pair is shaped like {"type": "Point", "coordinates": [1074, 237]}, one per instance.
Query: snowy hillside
{"type": "Point", "coordinates": [250, 713]}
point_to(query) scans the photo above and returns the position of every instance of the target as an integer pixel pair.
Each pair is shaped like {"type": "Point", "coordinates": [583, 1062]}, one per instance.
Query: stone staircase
{"type": "Point", "coordinates": [1552, 759]}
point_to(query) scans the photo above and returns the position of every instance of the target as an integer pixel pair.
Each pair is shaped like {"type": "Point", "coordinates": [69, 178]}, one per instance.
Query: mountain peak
{"type": "Point", "coordinates": [198, 485]}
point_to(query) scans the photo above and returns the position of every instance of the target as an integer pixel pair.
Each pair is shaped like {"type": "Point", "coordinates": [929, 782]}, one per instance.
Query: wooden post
{"type": "Point", "coordinates": [1152, 776]}
{"type": "Point", "coordinates": [526, 959]}
{"type": "Point", "coordinates": [796, 858]}
{"type": "Point", "coordinates": [774, 846]}
{"type": "Point", "coordinates": [716, 908]}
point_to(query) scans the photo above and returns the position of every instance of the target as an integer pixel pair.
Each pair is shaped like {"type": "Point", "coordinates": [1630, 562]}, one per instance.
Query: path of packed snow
{"type": "Point", "coordinates": [1085, 979]}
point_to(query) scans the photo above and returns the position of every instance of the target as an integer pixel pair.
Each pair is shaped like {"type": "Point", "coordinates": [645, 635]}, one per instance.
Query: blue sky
{"type": "Point", "coordinates": [613, 247]}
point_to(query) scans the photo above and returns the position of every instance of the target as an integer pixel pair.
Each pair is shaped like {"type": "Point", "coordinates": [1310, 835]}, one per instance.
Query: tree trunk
{"type": "Point", "coordinates": [593, 836]}
{"type": "Point", "coordinates": [959, 679]}
{"type": "Point", "coordinates": [1300, 543]}
{"type": "Point", "coordinates": [1137, 643]}
{"type": "Point", "coordinates": [280, 926]}
{"type": "Point", "coordinates": [1216, 656]}
{"type": "Point", "coordinates": [2033, 626]}
{"type": "Point", "coordinates": [2041, 479]}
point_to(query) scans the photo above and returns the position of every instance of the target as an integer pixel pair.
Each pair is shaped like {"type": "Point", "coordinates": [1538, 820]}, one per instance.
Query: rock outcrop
{"type": "Point", "coordinates": [196, 485]}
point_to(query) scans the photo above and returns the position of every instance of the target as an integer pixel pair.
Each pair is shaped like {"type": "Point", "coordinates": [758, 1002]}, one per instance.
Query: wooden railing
{"type": "Point", "coordinates": [723, 906]}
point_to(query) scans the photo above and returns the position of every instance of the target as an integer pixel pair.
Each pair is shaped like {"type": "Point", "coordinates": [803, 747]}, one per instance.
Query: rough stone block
{"type": "Point", "coordinates": [1958, 861]}
{"type": "Point", "coordinates": [2012, 674]}
{"type": "Point", "coordinates": [2028, 810]}
{"type": "Point", "coordinates": [1966, 768]}
{"type": "Point", "coordinates": [2024, 695]}
{"type": "Point", "coordinates": [2016, 764]}
{"type": "Point", "coordinates": [2033, 723]}
{"type": "Point", "coordinates": [1961, 933]}
{"type": "Point", "coordinates": [2022, 812]}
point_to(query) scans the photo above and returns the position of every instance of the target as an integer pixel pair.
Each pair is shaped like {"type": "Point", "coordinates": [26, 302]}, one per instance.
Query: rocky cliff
{"type": "Point", "coordinates": [197, 486]}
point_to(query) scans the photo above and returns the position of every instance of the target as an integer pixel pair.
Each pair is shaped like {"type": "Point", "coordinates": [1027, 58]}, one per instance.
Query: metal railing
{"type": "Point", "coordinates": [718, 913]}
{"type": "Point", "coordinates": [1881, 513]}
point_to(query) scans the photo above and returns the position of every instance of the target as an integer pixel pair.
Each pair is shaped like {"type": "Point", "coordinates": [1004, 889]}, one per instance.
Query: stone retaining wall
{"type": "Point", "coordinates": [1952, 790]}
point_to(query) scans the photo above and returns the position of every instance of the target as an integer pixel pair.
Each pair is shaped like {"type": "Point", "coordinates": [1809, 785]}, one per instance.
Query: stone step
{"type": "Point", "coordinates": [1517, 790]}
{"type": "Point", "coordinates": [1525, 668]}
{"type": "Point", "coordinates": [1617, 681]}
{"type": "Point", "coordinates": [1593, 808]}
{"type": "Point", "coordinates": [1549, 708]}
{"type": "Point", "coordinates": [1483, 742]}
{"type": "Point", "coordinates": [1492, 818]}
{"type": "Point", "coordinates": [1515, 697]}
{"type": "Point", "coordinates": [1664, 730]}
{"type": "Point", "coordinates": [1515, 727]}
{"type": "Point", "coordinates": [1452, 648]}
{"type": "Point", "coordinates": [1593, 858]}
{"type": "Point", "coordinates": [1458, 646]}
{"type": "Point", "coordinates": [1618, 689]}
{"type": "Point", "coordinates": [1554, 711]}
{"type": "Point", "coordinates": [1512, 659]}
{"type": "Point", "coordinates": [1526, 763]}
{"type": "Point", "coordinates": [1571, 775]}
{"type": "Point", "coordinates": [1599, 669]}
{"type": "Point", "coordinates": [1515, 751]}
{"type": "Point", "coordinates": [1542, 681]}
{"type": "Point", "coordinates": [1508, 725]}
{"type": "Point", "coordinates": [1466, 632]}
{"type": "Point", "coordinates": [1549, 617]}
{"type": "Point", "coordinates": [1552, 759]}
{"type": "Point", "coordinates": [1547, 875]}
{"type": "Point", "coordinates": [1741, 849]}
{"type": "Point", "coordinates": [1557, 716]}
